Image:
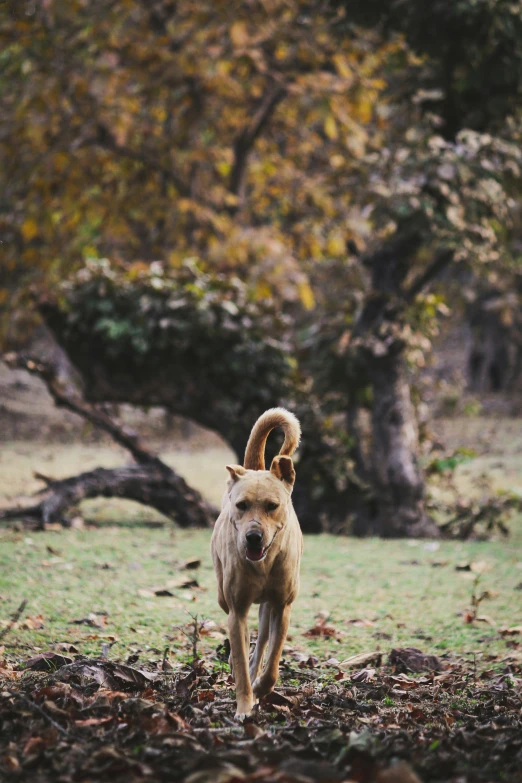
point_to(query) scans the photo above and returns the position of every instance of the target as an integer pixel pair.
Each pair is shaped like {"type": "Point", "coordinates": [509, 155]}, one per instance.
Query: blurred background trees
{"type": "Point", "coordinates": [290, 196]}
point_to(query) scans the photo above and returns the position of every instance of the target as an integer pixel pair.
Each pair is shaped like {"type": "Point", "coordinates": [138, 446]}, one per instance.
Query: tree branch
{"type": "Point", "coordinates": [390, 263]}
{"type": "Point", "coordinates": [247, 138]}
{"type": "Point", "coordinates": [67, 398]}
{"type": "Point", "coordinates": [150, 482]}
{"type": "Point", "coordinates": [439, 263]}
{"type": "Point", "coordinates": [106, 140]}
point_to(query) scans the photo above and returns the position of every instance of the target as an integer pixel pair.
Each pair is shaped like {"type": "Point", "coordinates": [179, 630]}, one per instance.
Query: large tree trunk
{"type": "Point", "coordinates": [398, 508]}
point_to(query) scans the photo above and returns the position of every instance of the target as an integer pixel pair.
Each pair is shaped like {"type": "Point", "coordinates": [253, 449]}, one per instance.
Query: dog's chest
{"type": "Point", "coordinates": [278, 585]}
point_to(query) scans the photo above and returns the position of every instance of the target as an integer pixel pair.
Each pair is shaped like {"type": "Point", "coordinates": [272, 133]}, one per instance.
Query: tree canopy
{"type": "Point", "coordinates": [162, 130]}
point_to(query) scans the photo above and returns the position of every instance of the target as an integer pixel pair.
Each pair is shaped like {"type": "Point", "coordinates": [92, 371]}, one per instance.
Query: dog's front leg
{"type": "Point", "coordinates": [279, 621]}
{"type": "Point", "coordinates": [238, 632]}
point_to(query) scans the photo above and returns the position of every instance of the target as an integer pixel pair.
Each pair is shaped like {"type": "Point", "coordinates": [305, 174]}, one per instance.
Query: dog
{"type": "Point", "coordinates": [256, 549]}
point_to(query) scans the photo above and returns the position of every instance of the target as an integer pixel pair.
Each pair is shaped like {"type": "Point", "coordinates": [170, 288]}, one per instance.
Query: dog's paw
{"type": "Point", "coordinates": [245, 711]}
{"type": "Point", "coordinates": [263, 685]}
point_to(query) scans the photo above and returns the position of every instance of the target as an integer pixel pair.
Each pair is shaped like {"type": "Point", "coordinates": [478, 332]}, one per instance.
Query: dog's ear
{"type": "Point", "coordinates": [283, 469]}
{"type": "Point", "coordinates": [235, 471]}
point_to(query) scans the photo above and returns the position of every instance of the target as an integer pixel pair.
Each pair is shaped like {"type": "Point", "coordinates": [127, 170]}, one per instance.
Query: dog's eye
{"type": "Point", "coordinates": [272, 506]}
{"type": "Point", "coordinates": [242, 505]}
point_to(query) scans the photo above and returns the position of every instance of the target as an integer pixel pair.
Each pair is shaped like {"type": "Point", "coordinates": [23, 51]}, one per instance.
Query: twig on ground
{"type": "Point", "coordinates": [194, 637]}
{"type": "Point", "coordinates": [34, 706]}
{"type": "Point", "coordinates": [14, 619]}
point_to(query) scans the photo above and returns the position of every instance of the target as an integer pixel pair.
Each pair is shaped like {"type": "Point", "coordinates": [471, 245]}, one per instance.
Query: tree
{"type": "Point", "coordinates": [444, 204]}
{"type": "Point", "coordinates": [200, 345]}
{"type": "Point", "coordinates": [162, 136]}
{"type": "Point", "coordinates": [267, 145]}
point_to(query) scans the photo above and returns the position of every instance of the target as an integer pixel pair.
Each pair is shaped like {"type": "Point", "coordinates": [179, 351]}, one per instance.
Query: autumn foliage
{"type": "Point", "coordinates": [330, 162]}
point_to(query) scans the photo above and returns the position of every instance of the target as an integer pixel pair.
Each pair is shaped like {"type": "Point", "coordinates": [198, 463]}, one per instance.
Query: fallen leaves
{"type": "Point", "coordinates": [128, 674]}
{"type": "Point", "coordinates": [513, 631]}
{"type": "Point", "coordinates": [34, 623]}
{"type": "Point", "coordinates": [47, 661]}
{"type": "Point", "coordinates": [66, 647]}
{"type": "Point", "coordinates": [476, 567]}
{"type": "Point", "coordinates": [191, 564]}
{"type": "Point", "coordinates": [361, 622]}
{"type": "Point", "coordinates": [166, 590]}
{"type": "Point", "coordinates": [321, 627]}
{"type": "Point", "coordinates": [119, 721]}
{"type": "Point", "coordinates": [362, 659]}
{"type": "Point", "coordinates": [93, 619]}
{"type": "Point", "coordinates": [411, 659]}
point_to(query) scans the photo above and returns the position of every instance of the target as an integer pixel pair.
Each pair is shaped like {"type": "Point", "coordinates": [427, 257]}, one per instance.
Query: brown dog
{"type": "Point", "coordinates": [256, 549]}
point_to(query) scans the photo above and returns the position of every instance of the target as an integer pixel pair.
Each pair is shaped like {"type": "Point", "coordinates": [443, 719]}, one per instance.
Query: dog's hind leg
{"type": "Point", "coordinates": [256, 660]}
{"type": "Point", "coordinates": [279, 620]}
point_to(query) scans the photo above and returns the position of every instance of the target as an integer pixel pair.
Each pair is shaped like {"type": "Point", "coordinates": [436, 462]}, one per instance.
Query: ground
{"type": "Point", "coordinates": [123, 586]}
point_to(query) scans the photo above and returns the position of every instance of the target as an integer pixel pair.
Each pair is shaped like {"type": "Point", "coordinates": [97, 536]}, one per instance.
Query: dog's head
{"type": "Point", "coordinates": [259, 505]}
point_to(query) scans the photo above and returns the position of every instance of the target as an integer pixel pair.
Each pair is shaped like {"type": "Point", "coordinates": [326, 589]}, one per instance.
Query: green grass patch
{"type": "Point", "coordinates": [378, 594]}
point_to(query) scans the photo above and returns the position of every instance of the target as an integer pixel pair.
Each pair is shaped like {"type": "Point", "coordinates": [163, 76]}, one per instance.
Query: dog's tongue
{"type": "Point", "coordinates": [254, 554]}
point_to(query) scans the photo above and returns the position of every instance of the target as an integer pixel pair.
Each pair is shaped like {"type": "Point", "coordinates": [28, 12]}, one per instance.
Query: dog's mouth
{"type": "Point", "coordinates": [257, 553]}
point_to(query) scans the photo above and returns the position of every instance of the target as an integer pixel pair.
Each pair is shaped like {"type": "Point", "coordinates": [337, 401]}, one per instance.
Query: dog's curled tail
{"type": "Point", "coordinates": [269, 420]}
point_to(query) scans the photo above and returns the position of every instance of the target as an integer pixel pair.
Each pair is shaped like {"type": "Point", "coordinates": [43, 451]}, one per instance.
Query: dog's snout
{"type": "Point", "coordinates": [254, 538]}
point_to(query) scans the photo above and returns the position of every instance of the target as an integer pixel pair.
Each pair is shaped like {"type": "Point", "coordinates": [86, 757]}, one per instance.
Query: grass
{"type": "Point", "coordinates": [378, 594]}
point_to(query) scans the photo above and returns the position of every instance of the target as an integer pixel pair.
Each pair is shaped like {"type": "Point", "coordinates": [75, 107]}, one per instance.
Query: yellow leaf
{"type": "Point", "coordinates": [330, 127]}
{"type": "Point", "coordinates": [262, 290]}
{"type": "Point", "coordinates": [341, 66]}
{"type": "Point", "coordinates": [224, 168]}
{"type": "Point", "coordinates": [223, 68]}
{"type": "Point", "coordinates": [60, 161]}
{"type": "Point", "coordinates": [281, 51]}
{"type": "Point", "coordinates": [29, 229]}
{"type": "Point", "coordinates": [306, 295]}
{"type": "Point", "coordinates": [336, 161]}
{"type": "Point", "coordinates": [336, 246]}
{"type": "Point", "coordinates": [365, 110]}
{"type": "Point", "coordinates": [316, 250]}
{"type": "Point", "coordinates": [239, 34]}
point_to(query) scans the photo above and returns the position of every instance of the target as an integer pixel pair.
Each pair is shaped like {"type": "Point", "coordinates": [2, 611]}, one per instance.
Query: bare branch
{"type": "Point", "coordinates": [36, 707]}
{"type": "Point", "coordinates": [439, 263]}
{"type": "Point", "coordinates": [247, 138]}
{"type": "Point", "coordinates": [14, 619]}
{"type": "Point", "coordinates": [150, 482]}
{"type": "Point", "coordinates": [66, 398]}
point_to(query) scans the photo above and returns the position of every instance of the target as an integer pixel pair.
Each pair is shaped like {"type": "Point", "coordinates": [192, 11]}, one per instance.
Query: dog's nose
{"type": "Point", "coordinates": [254, 538]}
